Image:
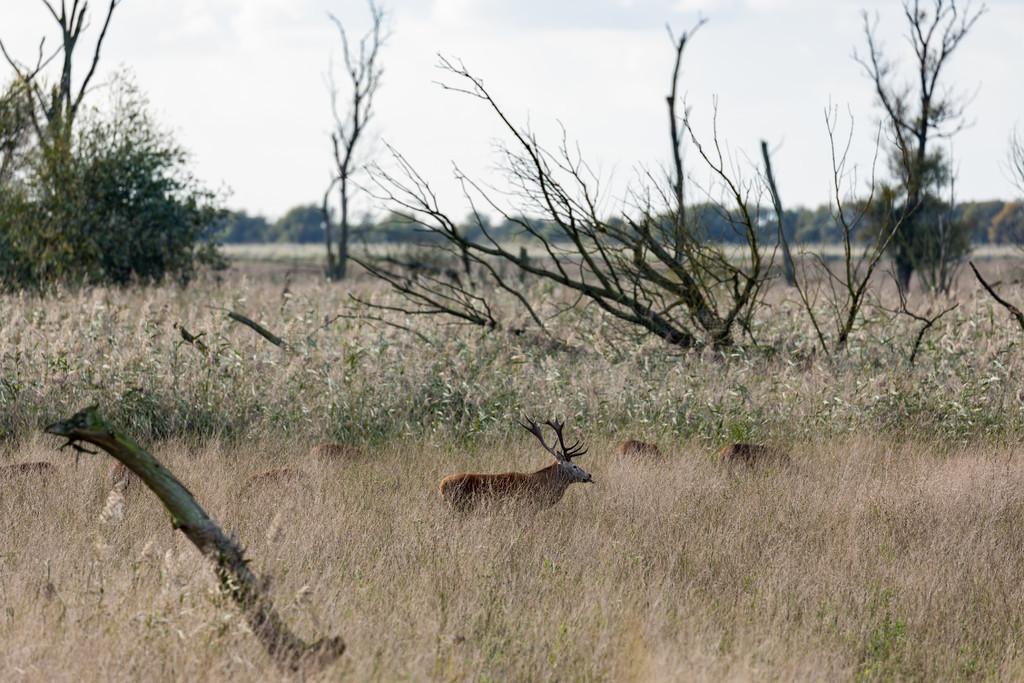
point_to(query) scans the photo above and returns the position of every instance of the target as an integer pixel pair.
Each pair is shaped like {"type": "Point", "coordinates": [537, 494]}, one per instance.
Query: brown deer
{"type": "Point", "coordinates": [22, 469]}
{"type": "Point", "coordinates": [631, 449]}
{"type": "Point", "coordinates": [276, 476]}
{"type": "Point", "coordinates": [542, 488]}
{"type": "Point", "coordinates": [752, 455]}
{"type": "Point", "coordinates": [336, 451]}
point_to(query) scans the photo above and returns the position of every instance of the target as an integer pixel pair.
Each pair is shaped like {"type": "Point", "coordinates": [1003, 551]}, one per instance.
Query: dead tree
{"type": "Point", "coordinates": [650, 266]}
{"type": "Point", "coordinates": [916, 113]}
{"type": "Point", "coordinates": [364, 73]}
{"type": "Point", "coordinates": [833, 298]}
{"type": "Point", "coordinates": [1015, 157]}
{"type": "Point", "coordinates": [232, 568]}
{"type": "Point", "coordinates": [60, 104]}
{"type": "Point", "coordinates": [787, 257]}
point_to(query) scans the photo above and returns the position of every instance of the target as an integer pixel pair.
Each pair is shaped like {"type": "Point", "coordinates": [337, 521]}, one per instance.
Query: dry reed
{"type": "Point", "coordinates": [893, 552]}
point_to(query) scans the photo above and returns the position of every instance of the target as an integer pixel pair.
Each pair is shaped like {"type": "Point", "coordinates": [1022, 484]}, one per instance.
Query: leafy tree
{"type": "Point", "coordinates": [977, 217]}
{"type": "Point", "coordinates": [93, 196]}
{"type": "Point", "coordinates": [396, 227]}
{"type": "Point", "coordinates": [815, 225]}
{"type": "Point", "coordinates": [302, 224]}
{"type": "Point", "coordinates": [238, 227]}
{"type": "Point", "coordinates": [114, 203]}
{"type": "Point", "coordinates": [1007, 227]}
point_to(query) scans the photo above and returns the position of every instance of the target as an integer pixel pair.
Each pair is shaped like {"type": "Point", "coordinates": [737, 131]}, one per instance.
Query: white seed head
{"type": "Point", "coordinates": [113, 511]}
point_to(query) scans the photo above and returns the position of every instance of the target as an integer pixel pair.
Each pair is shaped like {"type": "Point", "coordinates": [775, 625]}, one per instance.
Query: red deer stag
{"type": "Point", "coordinates": [752, 455]}
{"type": "Point", "coordinates": [632, 449]}
{"type": "Point", "coordinates": [542, 488]}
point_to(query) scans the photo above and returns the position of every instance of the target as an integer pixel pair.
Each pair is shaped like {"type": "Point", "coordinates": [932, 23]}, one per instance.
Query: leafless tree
{"type": "Point", "coordinates": [1008, 224]}
{"type": "Point", "coordinates": [835, 297]}
{"type": "Point", "coordinates": [650, 266]}
{"type": "Point", "coordinates": [949, 245]}
{"type": "Point", "coordinates": [1016, 161]}
{"type": "Point", "coordinates": [59, 104]}
{"type": "Point", "coordinates": [351, 117]}
{"type": "Point", "coordinates": [915, 113]}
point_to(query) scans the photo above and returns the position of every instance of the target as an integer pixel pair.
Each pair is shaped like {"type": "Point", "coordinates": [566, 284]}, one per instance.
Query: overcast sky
{"type": "Point", "coordinates": [242, 84]}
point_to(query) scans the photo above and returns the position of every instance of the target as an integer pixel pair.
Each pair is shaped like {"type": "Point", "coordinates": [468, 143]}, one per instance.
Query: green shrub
{"type": "Point", "coordinates": [112, 203]}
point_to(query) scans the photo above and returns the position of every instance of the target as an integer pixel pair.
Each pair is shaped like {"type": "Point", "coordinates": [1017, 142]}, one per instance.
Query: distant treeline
{"type": "Point", "coordinates": [989, 222]}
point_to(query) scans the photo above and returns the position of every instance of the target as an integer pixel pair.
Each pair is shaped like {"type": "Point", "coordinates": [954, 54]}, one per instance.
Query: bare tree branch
{"type": "Point", "coordinates": [928, 322]}
{"type": "Point", "coordinates": [1014, 311]}
{"type": "Point", "coordinates": [787, 258]}
{"type": "Point", "coordinates": [96, 54]}
{"type": "Point", "coordinates": [255, 327]}
{"type": "Point", "coordinates": [679, 176]}
{"type": "Point", "coordinates": [845, 292]}
{"type": "Point", "coordinates": [647, 266]}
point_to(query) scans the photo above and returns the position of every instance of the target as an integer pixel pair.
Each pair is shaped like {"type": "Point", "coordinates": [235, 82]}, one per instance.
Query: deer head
{"type": "Point", "coordinates": [563, 454]}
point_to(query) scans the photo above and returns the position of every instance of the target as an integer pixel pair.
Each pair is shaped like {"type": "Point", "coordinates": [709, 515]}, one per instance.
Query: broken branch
{"type": "Point", "coordinates": [190, 338]}
{"type": "Point", "coordinates": [1010, 307]}
{"type": "Point", "coordinates": [259, 329]}
{"type": "Point", "coordinates": [233, 572]}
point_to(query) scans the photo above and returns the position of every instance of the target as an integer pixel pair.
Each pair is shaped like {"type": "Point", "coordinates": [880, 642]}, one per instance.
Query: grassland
{"type": "Point", "coordinates": [891, 550]}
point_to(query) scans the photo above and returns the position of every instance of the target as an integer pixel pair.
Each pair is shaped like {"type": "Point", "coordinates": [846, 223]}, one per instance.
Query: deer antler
{"type": "Point", "coordinates": [534, 429]}
{"type": "Point", "coordinates": [566, 453]}
{"type": "Point", "coordinates": [573, 450]}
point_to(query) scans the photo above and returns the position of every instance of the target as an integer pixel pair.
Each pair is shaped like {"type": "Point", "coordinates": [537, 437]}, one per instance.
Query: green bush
{"type": "Point", "coordinates": [111, 203]}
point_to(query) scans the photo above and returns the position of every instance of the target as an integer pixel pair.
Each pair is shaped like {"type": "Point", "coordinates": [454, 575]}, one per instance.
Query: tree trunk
{"type": "Point", "coordinates": [343, 231]}
{"type": "Point", "coordinates": [787, 258]}
{"type": "Point", "coordinates": [326, 213]}
{"type": "Point", "coordinates": [904, 269]}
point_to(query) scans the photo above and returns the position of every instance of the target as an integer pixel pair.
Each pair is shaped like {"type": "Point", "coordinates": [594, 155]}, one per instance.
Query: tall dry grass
{"type": "Point", "coordinates": [873, 559]}
{"type": "Point", "coordinates": [892, 548]}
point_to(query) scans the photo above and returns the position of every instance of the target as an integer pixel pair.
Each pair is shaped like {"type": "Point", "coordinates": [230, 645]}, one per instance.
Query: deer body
{"type": "Point", "coordinates": [633, 449]}
{"type": "Point", "coordinates": [542, 488]}
{"type": "Point", "coordinates": [277, 476]}
{"type": "Point", "coordinates": [752, 455]}
{"type": "Point", "coordinates": [42, 469]}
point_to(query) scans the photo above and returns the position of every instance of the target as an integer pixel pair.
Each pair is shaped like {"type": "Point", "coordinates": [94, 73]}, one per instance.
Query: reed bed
{"type": "Point", "coordinates": [891, 549]}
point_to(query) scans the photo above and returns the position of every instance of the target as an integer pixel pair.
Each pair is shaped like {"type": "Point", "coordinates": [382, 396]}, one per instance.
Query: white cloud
{"type": "Point", "coordinates": [243, 83]}
{"type": "Point", "coordinates": [702, 6]}
{"type": "Point", "coordinates": [454, 13]}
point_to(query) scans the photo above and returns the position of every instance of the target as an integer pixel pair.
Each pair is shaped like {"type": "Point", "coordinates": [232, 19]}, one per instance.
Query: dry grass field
{"type": "Point", "coordinates": [892, 548]}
